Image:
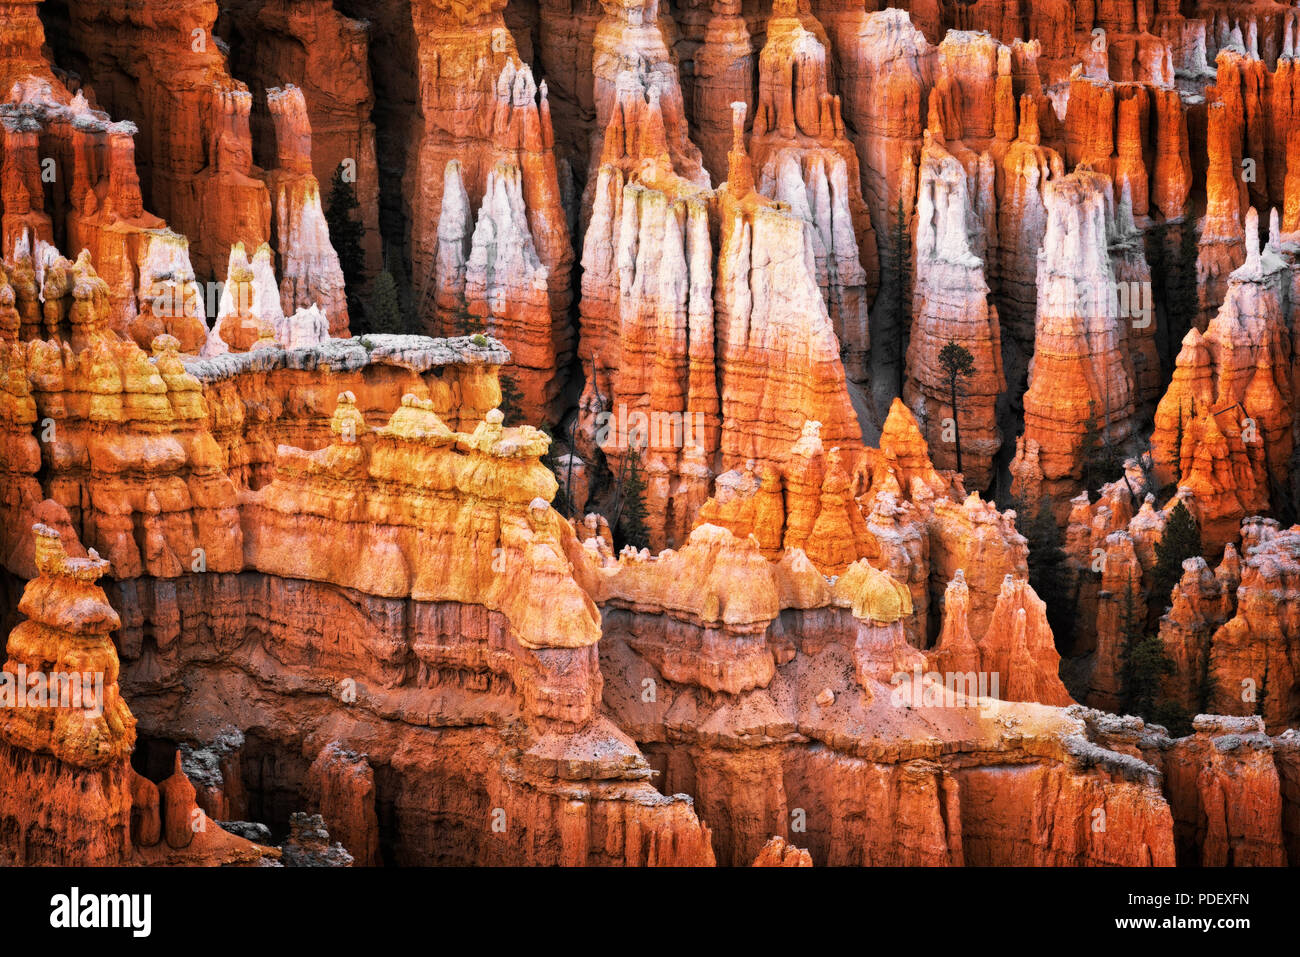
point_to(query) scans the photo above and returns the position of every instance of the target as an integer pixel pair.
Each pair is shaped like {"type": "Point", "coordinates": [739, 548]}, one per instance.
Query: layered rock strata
{"type": "Point", "coordinates": [800, 148]}
{"type": "Point", "coordinates": [66, 737]}
{"type": "Point", "coordinates": [951, 306]}
{"type": "Point", "coordinates": [787, 755]}
{"type": "Point", "coordinates": [1082, 370]}
{"type": "Point", "coordinates": [1223, 429]}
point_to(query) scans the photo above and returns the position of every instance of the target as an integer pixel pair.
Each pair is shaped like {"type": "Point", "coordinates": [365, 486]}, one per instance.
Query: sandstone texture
{"type": "Point", "coordinates": [788, 458]}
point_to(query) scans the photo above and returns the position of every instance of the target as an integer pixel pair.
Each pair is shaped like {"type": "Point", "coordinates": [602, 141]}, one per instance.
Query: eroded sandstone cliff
{"type": "Point", "coordinates": [755, 593]}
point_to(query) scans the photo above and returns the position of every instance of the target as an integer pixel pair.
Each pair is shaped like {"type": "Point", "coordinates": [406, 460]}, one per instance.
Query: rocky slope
{"type": "Point", "coordinates": [670, 543]}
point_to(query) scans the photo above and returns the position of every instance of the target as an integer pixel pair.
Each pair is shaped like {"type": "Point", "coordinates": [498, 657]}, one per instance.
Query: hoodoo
{"type": "Point", "coordinates": [627, 433]}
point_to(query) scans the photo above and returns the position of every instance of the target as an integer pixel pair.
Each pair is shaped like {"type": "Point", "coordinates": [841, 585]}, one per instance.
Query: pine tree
{"type": "Point", "coordinates": [394, 265]}
{"type": "Point", "coordinates": [1049, 574]}
{"type": "Point", "coordinates": [903, 305]}
{"type": "Point", "coordinates": [1181, 540]}
{"type": "Point", "coordinates": [384, 311]}
{"type": "Point", "coordinates": [1144, 664]}
{"type": "Point", "coordinates": [1131, 633]}
{"type": "Point", "coordinates": [465, 323]}
{"type": "Point", "coordinates": [630, 519]}
{"type": "Point", "coordinates": [1172, 715]}
{"type": "Point", "coordinates": [1101, 461]}
{"type": "Point", "coordinates": [958, 363]}
{"type": "Point", "coordinates": [511, 399]}
{"type": "Point", "coordinates": [345, 237]}
{"type": "Point", "coordinates": [1147, 664]}
{"type": "Point", "coordinates": [563, 498]}
{"type": "Point", "coordinates": [1206, 690]}
{"type": "Point", "coordinates": [1178, 449]}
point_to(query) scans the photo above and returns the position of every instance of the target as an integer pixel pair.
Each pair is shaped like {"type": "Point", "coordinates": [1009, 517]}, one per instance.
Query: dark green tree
{"type": "Point", "coordinates": [1143, 667]}
{"type": "Point", "coordinates": [1147, 664]}
{"type": "Point", "coordinates": [1049, 574]}
{"type": "Point", "coordinates": [1131, 634]}
{"type": "Point", "coordinates": [384, 310]}
{"type": "Point", "coordinates": [511, 399]}
{"type": "Point", "coordinates": [1205, 693]}
{"type": "Point", "coordinates": [405, 301]}
{"type": "Point", "coordinates": [902, 273]}
{"type": "Point", "coordinates": [958, 363]}
{"type": "Point", "coordinates": [629, 520]}
{"type": "Point", "coordinates": [1102, 462]}
{"type": "Point", "coordinates": [345, 237]}
{"type": "Point", "coordinates": [1181, 540]}
{"type": "Point", "coordinates": [464, 323]}
{"type": "Point", "coordinates": [563, 473]}
{"type": "Point", "coordinates": [1173, 716]}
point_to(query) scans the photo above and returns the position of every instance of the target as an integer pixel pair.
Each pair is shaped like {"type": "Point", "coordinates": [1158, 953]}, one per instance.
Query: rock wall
{"type": "Point", "coordinates": [1082, 368]}
{"type": "Point", "coordinates": [376, 604]}
{"type": "Point", "coordinates": [327, 56]}
{"type": "Point", "coordinates": [195, 151]}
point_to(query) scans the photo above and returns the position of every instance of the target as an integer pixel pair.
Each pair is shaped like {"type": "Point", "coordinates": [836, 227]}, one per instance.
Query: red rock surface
{"type": "Point", "coordinates": [776, 347]}
{"type": "Point", "coordinates": [1114, 126]}
{"type": "Point", "coordinates": [1022, 218]}
{"type": "Point", "coordinates": [1083, 363]}
{"type": "Point", "coordinates": [784, 757]}
{"type": "Point", "coordinates": [1201, 604]}
{"type": "Point", "coordinates": [498, 279]}
{"type": "Point", "coordinates": [198, 166]}
{"type": "Point", "coordinates": [893, 510]}
{"type": "Point", "coordinates": [1231, 393]}
{"type": "Point", "coordinates": [1120, 605]}
{"type": "Point", "coordinates": [72, 753]}
{"type": "Point", "coordinates": [802, 157]}
{"type": "Point", "coordinates": [726, 65]}
{"type": "Point", "coordinates": [777, 853]}
{"type": "Point", "coordinates": [886, 65]}
{"type": "Point", "coordinates": [347, 801]}
{"type": "Point", "coordinates": [488, 114]}
{"type": "Point", "coordinates": [1225, 795]}
{"type": "Point", "coordinates": [327, 55]}
{"type": "Point", "coordinates": [95, 197]}
{"type": "Point", "coordinates": [1222, 237]}
{"type": "Point", "coordinates": [348, 603]}
{"type": "Point", "coordinates": [648, 332]}
{"type": "Point", "coordinates": [77, 800]}
{"type": "Point", "coordinates": [309, 267]}
{"type": "Point", "coordinates": [951, 305]}
{"type": "Point", "coordinates": [1250, 657]}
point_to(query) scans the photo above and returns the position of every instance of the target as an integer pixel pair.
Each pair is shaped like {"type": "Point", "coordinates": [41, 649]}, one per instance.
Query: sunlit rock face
{"type": "Point", "coordinates": [1083, 370]}
{"type": "Point", "coordinates": [499, 256]}
{"type": "Point", "coordinates": [1232, 390]}
{"type": "Point", "coordinates": [803, 157]}
{"type": "Point", "coordinates": [326, 54]}
{"type": "Point", "coordinates": [198, 168]}
{"type": "Point", "coordinates": [310, 272]}
{"type": "Point", "coordinates": [77, 799]}
{"type": "Point", "coordinates": [951, 305]}
{"type": "Point", "coordinates": [797, 409]}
